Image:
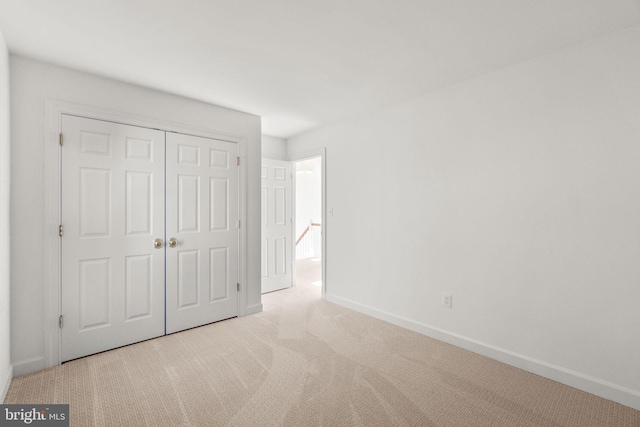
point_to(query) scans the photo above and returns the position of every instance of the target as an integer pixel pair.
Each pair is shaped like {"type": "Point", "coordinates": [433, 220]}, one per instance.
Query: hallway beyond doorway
{"type": "Point", "coordinates": [309, 272]}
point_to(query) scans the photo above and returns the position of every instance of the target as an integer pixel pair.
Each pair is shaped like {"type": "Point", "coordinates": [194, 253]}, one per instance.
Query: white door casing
{"type": "Point", "coordinates": [114, 290]}
{"type": "Point", "coordinates": [202, 217]}
{"type": "Point", "coordinates": [112, 186]}
{"type": "Point", "coordinates": [277, 225]}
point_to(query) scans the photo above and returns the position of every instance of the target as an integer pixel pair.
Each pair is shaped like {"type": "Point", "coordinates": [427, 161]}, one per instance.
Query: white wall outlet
{"type": "Point", "coordinates": [447, 300]}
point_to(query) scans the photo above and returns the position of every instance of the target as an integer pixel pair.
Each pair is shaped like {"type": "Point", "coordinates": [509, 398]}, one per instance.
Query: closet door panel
{"type": "Point", "coordinates": [112, 287]}
{"type": "Point", "coordinates": [202, 215]}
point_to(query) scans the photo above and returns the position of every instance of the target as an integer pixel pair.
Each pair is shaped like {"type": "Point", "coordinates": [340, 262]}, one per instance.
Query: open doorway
{"type": "Point", "coordinates": [308, 224]}
{"type": "Point", "coordinates": [293, 222]}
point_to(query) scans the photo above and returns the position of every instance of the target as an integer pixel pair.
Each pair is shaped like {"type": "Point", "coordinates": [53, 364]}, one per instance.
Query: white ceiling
{"type": "Point", "coordinates": [301, 64]}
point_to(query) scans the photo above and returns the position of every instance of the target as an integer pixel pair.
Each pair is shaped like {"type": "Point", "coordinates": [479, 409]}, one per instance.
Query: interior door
{"type": "Point", "coordinates": [112, 287]}
{"type": "Point", "coordinates": [276, 225]}
{"type": "Point", "coordinates": [202, 231]}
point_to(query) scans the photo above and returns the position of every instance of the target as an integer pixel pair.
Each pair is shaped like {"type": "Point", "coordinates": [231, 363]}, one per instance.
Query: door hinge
{"type": "Point", "coordinates": [238, 287]}
{"type": "Point", "coordinates": [60, 321]}
{"type": "Point", "coordinates": [238, 223]}
{"type": "Point", "coordinates": [238, 161]}
{"type": "Point", "coordinates": [61, 139]}
{"type": "Point", "coordinates": [61, 230]}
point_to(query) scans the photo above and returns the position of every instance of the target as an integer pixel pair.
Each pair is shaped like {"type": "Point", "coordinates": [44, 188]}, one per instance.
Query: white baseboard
{"type": "Point", "coordinates": [253, 309]}
{"type": "Point", "coordinates": [28, 366]}
{"type": "Point", "coordinates": [6, 382]}
{"type": "Point", "coordinates": [604, 389]}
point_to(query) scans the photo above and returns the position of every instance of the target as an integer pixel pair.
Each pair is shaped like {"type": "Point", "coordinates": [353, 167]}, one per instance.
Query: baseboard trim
{"type": "Point", "coordinates": [253, 309]}
{"type": "Point", "coordinates": [6, 382]}
{"type": "Point", "coordinates": [604, 389]}
{"type": "Point", "coordinates": [28, 366]}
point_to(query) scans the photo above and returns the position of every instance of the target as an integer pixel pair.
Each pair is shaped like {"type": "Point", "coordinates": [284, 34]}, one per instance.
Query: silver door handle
{"type": "Point", "coordinates": [173, 242]}
{"type": "Point", "coordinates": [157, 243]}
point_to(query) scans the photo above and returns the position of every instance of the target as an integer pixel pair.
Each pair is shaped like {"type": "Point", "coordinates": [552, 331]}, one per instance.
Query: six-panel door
{"type": "Point", "coordinates": [202, 217]}
{"type": "Point", "coordinates": [114, 289]}
{"type": "Point", "coordinates": [112, 210]}
{"type": "Point", "coordinates": [276, 225]}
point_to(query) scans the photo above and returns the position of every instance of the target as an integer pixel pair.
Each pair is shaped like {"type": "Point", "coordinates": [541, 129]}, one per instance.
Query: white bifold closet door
{"type": "Point", "coordinates": [117, 225]}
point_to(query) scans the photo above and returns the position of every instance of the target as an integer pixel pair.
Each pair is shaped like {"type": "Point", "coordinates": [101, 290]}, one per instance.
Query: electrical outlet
{"type": "Point", "coordinates": [447, 300]}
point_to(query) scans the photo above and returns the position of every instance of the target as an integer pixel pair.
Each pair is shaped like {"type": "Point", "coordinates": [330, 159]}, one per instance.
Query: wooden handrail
{"type": "Point", "coordinates": [306, 230]}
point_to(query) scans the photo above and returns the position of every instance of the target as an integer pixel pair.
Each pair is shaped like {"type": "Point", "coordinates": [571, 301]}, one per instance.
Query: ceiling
{"type": "Point", "coordinates": [301, 64]}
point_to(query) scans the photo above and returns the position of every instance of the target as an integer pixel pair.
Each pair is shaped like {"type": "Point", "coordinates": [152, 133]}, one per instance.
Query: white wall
{"type": "Point", "coordinates": [32, 82]}
{"type": "Point", "coordinates": [5, 168]}
{"type": "Point", "coordinates": [274, 148]}
{"type": "Point", "coordinates": [519, 193]}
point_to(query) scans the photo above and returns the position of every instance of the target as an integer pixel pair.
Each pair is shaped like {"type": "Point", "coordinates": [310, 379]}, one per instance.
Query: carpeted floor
{"type": "Point", "coordinates": [305, 362]}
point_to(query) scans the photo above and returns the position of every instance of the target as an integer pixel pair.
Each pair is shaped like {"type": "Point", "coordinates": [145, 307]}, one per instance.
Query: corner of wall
{"type": "Point", "coordinates": [6, 382]}
{"type": "Point", "coordinates": [273, 147]}
{"type": "Point", "coordinates": [6, 370]}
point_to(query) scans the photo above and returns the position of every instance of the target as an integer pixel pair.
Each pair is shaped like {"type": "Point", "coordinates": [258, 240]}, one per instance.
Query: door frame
{"type": "Point", "coordinates": [54, 109]}
{"type": "Point", "coordinates": [320, 152]}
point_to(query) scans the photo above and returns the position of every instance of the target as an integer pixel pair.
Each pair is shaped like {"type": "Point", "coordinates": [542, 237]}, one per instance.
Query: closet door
{"type": "Point", "coordinates": [112, 287]}
{"type": "Point", "coordinates": [201, 231]}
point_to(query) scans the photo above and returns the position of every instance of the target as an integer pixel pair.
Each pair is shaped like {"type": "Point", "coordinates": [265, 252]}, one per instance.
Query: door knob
{"type": "Point", "coordinates": [173, 242]}
{"type": "Point", "coordinates": [157, 243]}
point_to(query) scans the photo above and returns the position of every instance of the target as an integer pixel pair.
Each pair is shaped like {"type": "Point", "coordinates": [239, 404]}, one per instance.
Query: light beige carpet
{"type": "Point", "coordinates": [305, 362]}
